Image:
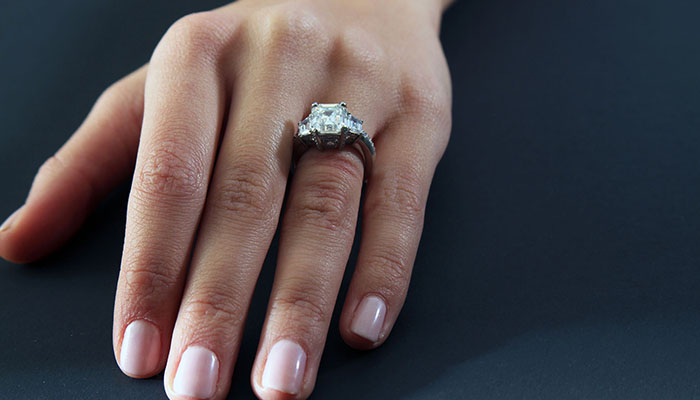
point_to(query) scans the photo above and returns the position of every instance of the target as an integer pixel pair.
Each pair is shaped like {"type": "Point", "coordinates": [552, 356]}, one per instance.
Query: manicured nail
{"type": "Point", "coordinates": [8, 222]}
{"type": "Point", "coordinates": [197, 373]}
{"type": "Point", "coordinates": [369, 318]}
{"type": "Point", "coordinates": [284, 369]}
{"type": "Point", "coordinates": [140, 348]}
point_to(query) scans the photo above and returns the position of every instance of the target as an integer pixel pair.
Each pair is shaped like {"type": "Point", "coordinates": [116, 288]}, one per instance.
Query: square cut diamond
{"type": "Point", "coordinates": [329, 119]}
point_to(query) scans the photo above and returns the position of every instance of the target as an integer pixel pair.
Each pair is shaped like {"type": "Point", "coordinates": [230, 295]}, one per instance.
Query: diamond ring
{"type": "Point", "coordinates": [331, 126]}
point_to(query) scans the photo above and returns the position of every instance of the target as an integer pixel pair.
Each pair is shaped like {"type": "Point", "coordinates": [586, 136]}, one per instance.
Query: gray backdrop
{"type": "Point", "coordinates": [560, 253]}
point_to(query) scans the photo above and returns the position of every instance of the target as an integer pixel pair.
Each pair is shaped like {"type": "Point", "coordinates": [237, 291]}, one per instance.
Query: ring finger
{"type": "Point", "coordinates": [316, 239]}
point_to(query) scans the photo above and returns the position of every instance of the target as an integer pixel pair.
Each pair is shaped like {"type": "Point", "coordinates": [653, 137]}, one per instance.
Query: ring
{"type": "Point", "coordinates": [331, 126]}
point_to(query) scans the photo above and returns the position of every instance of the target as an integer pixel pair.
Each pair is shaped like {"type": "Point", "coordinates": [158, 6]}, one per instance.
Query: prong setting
{"type": "Point", "coordinates": [343, 133]}
{"type": "Point", "coordinates": [332, 126]}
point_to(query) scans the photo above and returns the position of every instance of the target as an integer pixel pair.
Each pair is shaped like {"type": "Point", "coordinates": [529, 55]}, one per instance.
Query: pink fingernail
{"type": "Point", "coordinates": [197, 373]}
{"type": "Point", "coordinates": [284, 369]}
{"type": "Point", "coordinates": [8, 222]}
{"type": "Point", "coordinates": [140, 348]}
{"type": "Point", "coordinates": [369, 318]}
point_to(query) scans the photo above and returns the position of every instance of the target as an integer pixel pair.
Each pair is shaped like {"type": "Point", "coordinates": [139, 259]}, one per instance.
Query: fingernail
{"type": "Point", "coordinates": [8, 222]}
{"type": "Point", "coordinates": [197, 373]}
{"type": "Point", "coordinates": [140, 348]}
{"type": "Point", "coordinates": [369, 318]}
{"type": "Point", "coordinates": [284, 369]}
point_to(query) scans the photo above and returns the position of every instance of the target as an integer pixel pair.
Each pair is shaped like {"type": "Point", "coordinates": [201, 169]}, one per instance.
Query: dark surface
{"type": "Point", "coordinates": [561, 246]}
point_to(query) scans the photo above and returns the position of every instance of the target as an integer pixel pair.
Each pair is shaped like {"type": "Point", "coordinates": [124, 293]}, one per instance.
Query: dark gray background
{"type": "Point", "coordinates": [560, 253]}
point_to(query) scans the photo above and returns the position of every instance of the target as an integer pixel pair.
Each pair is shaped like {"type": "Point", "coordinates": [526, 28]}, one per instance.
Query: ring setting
{"type": "Point", "coordinates": [332, 126]}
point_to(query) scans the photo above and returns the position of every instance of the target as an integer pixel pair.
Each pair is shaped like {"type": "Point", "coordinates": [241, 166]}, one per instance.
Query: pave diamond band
{"type": "Point", "coordinates": [331, 126]}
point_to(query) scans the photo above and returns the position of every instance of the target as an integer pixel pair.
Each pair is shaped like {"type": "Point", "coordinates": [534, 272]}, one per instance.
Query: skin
{"type": "Point", "coordinates": [193, 128]}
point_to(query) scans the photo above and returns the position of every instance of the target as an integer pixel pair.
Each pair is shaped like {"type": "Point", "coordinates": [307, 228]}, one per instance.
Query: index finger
{"type": "Point", "coordinates": [183, 112]}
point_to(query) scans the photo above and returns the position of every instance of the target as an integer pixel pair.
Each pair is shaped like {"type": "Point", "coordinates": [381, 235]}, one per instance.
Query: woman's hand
{"type": "Point", "coordinates": [206, 128]}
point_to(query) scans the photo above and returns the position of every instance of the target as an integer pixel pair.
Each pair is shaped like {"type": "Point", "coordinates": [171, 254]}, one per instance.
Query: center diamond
{"type": "Point", "coordinates": [330, 126]}
{"type": "Point", "coordinates": [327, 118]}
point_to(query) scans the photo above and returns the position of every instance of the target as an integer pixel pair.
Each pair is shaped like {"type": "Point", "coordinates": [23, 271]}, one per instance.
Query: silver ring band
{"type": "Point", "coordinates": [331, 126]}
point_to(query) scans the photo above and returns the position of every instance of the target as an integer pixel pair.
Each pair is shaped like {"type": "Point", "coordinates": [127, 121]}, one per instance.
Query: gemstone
{"type": "Point", "coordinates": [328, 121]}
{"type": "Point", "coordinates": [304, 127]}
{"type": "Point", "coordinates": [354, 124]}
{"type": "Point", "coordinates": [327, 118]}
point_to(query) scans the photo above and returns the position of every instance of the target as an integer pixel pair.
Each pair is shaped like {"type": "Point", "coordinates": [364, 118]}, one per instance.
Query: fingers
{"type": "Point", "coordinates": [317, 233]}
{"type": "Point", "coordinates": [242, 209]}
{"type": "Point", "coordinates": [316, 237]}
{"type": "Point", "coordinates": [407, 153]}
{"type": "Point", "coordinates": [93, 161]}
{"type": "Point", "coordinates": [183, 112]}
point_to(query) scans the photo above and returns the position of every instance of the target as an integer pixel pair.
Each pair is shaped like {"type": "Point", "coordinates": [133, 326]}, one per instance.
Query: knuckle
{"type": "Point", "coordinates": [425, 97]}
{"type": "Point", "coordinates": [214, 303]}
{"type": "Point", "coordinates": [114, 94]}
{"type": "Point", "coordinates": [400, 197]}
{"type": "Point", "coordinates": [302, 307]}
{"type": "Point", "coordinates": [168, 172]}
{"type": "Point", "coordinates": [195, 38]}
{"type": "Point", "coordinates": [326, 200]}
{"type": "Point", "coordinates": [289, 31]}
{"type": "Point", "coordinates": [120, 104]}
{"type": "Point", "coordinates": [60, 165]}
{"type": "Point", "coordinates": [246, 192]}
{"type": "Point", "coordinates": [392, 270]}
{"type": "Point", "coordinates": [143, 280]}
{"type": "Point", "coordinates": [51, 166]}
{"type": "Point", "coordinates": [359, 55]}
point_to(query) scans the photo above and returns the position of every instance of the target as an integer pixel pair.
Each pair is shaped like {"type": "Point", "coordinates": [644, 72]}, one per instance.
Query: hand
{"type": "Point", "coordinates": [206, 128]}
